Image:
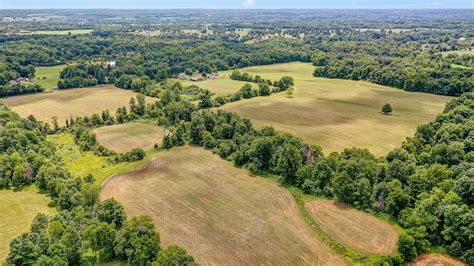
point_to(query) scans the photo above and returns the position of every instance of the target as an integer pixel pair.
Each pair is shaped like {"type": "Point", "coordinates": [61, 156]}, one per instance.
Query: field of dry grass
{"type": "Point", "coordinates": [219, 86]}
{"type": "Point", "coordinates": [221, 214]}
{"type": "Point", "coordinates": [353, 228]}
{"type": "Point", "coordinates": [18, 209]}
{"type": "Point", "coordinates": [435, 259]}
{"type": "Point", "coordinates": [124, 137]}
{"type": "Point", "coordinates": [338, 114]}
{"type": "Point", "coordinates": [70, 103]}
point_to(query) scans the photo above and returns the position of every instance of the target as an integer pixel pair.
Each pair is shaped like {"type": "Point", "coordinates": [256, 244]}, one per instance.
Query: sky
{"type": "Point", "coordinates": [235, 4]}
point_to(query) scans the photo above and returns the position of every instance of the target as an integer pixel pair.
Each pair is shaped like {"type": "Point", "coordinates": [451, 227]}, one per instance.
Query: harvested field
{"type": "Point", "coordinates": [18, 209]}
{"type": "Point", "coordinates": [221, 214]}
{"type": "Point", "coordinates": [71, 103]}
{"type": "Point", "coordinates": [125, 137]}
{"type": "Point", "coordinates": [338, 114]}
{"type": "Point", "coordinates": [219, 86]}
{"type": "Point", "coordinates": [353, 228]}
{"type": "Point", "coordinates": [435, 259]}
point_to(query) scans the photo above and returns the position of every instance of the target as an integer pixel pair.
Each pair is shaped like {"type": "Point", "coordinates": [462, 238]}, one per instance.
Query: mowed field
{"type": "Point", "coordinates": [338, 114]}
{"type": "Point", "coordinates": [48, 77]}
{"type": "Point", "coordinates": [220, 86]}
{"type": "Point", "coordinates": [124, 137]}
{"type": "Point", "coordinates": [353, 228]}
{"type": "Point", "coordinates": [71, 103]}
{"type": "Point", "coordinates": [435, 259]}
{"type": "Point", "coordinates": [62, 32]}
{"type": "Point", "coordinates": [81, 163]}
{"type": "Point", "coordinates": [459, 52]}
{"type": "Point", "coordinates": [18, 209]}
{"type": "Point", "coordinates": [221, 214]}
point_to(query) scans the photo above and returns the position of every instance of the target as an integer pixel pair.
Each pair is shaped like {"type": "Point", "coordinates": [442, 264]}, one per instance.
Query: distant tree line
{"type": "Point", "coordinates": [418, 72]}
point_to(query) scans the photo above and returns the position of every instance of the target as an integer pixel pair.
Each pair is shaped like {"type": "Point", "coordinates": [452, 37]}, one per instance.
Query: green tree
{"type": "Point", "coordinates": [137, 241]}
{"type": "Point", "coordinates": [174, 256]}
{"type": "Point", "coordinates": [288, 160]}
{"type": "Point", "coordinates": [386, 109]}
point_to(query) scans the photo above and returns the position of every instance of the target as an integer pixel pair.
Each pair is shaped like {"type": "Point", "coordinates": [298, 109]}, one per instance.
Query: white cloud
{"type": "Point", "coordinates": [248, 4]}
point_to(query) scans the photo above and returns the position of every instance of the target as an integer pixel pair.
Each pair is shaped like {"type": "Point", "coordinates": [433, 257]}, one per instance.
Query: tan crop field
{"type": "Point", "coordinates": [124, 137]}
{"type": "Point", "coordinates": [353, 228]}
{"type": "Point", "coordinates": [71, 103]}
{"type": "Point", "coordinates": [220, 86]}
{"type": "Point", "coordinates": [435, 259]}
{"type": "Point", "coordinates": [18, 209]}
{"type": "Point", "coordinates": [221, 214]}
{"type": "Point", "coordinates": [338, 114]}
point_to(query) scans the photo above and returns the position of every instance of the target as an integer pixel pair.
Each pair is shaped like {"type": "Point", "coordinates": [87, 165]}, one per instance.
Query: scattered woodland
{"type": "Point", "coordinates": [119, 79]}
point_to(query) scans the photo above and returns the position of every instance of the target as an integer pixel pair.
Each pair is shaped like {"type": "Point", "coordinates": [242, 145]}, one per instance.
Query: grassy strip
{"type": "Point", "coordinates": [357, 258]}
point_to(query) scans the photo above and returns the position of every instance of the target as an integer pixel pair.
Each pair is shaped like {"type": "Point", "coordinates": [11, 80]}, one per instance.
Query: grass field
{"type": "Point", "coordinates": [18, 209]}
{"type": "Point", "coordinates": [338, 114]}
{"type": "Point", "coordinates": [353, 228]}
{"type": "Point", "coordinates": [221, 214]}
{"type": "Point", "coordinates": [48, 77]}
{"type": "Point", "coordinates": [62, 32]}
{"type": "Point", "coordinates": [81, 163]}
{"type": "Point", "coordinates": [219, 86]}
{"type": "Point", "coordinates": [458, 52]}
{"type": "Point", "coordinates": [71, 103]}
{"type": "Point", "coordinates": [124, 137]}
{"type": "Point", "coordinates": [435, 259]}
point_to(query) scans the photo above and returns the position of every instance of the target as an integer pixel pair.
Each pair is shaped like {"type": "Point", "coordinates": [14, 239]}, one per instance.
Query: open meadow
{"type": "Point", "coordinates": [458, 52]}
{"type": "Point", "coordinates": [48, 77]}
{"type": "Point", "coordinates": [62, 32]}
{"type": "Point", "coordinates": [71, 102]}
{"type": "Point", "coordinates": [221, 214]}
{"type": "Point", "coordinates": [338, 114]}
{"type": "Point", "coordinates": [81, 163]}
{"type": "Point", "coordinates": [18, 209]}
{"type": "Point", "coordinates": [220, 86]}
{"type": "Point", "coordinates": [353, 228]}
{"type": "Point", "coordinates": [124, 137]}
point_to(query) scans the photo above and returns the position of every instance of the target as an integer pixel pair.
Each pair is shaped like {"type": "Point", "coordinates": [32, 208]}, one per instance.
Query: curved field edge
{"type": "Point", "coordinates": [218, 212]}
{"type": "Point", "coordinates": [429, 259]}
{"type": "Point", "coordinates": [354, 228]}
{"type": "Point", "coordinates": [124, 137]}
{"type": "Point", "coordinates": [18, 209]}
{"type": "Point", "coordinates": [81, 163]}
{"type": "Point", "coordinates": [356, 257]}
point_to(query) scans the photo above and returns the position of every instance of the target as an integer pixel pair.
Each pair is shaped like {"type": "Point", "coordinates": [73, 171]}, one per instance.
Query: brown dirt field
{"type": "Point", "coordinates": [71, 102]}
{"type": "Point", "coordinates": [435, 259]}
{"type": "Point", "coordinates": [353, 228]}
{"type": "Point", "coordinates": [221, 214]}
{"type": "Point", "coordinates": [125, 137]}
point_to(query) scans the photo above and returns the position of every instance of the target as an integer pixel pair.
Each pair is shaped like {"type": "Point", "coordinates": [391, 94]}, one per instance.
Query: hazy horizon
{"type": "Point", "coordinates": [236, 4]}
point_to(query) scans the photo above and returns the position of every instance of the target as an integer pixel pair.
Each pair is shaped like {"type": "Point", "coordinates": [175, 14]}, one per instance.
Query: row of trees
{"type": "Point", "coordinates": [418, 72]}
{"type": "Point", "coordinates": [424, 185]}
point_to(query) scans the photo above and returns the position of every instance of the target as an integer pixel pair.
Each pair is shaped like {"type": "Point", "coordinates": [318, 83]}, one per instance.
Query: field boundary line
{"type": "Point", "coordinates": [107, 179]}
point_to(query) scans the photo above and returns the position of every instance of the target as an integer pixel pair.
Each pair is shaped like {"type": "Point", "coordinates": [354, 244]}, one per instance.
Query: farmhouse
{"type": "Point", "coordinates": [197, 78]}
{"type": "Point", "coordinates": [20, 80]}
{"type": "Point", "coordinates": [183, 76]}
{"type": "Point", "coordinates": [213, 75]}
{"type": "Point", "coordinates": [112, 64]}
